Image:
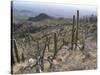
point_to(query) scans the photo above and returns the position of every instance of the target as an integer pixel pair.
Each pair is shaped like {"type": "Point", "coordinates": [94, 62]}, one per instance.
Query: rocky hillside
{"type": "Point", "coordinates": [39, 17]}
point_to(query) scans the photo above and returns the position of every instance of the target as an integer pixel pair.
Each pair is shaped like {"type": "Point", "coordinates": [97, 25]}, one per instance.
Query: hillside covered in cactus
{"type": "Point", "coordinates": [52, 39]}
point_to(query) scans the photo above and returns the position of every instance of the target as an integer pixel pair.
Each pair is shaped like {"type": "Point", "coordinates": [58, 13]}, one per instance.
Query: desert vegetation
{"type": "Point", "coordinates": [47, 44]}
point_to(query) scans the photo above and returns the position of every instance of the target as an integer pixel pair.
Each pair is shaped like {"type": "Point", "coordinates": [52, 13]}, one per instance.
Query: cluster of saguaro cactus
{"type": "Point", "coordinates": [15, 54]}
{"type": "Point", "coordinates": [40, 56]}
{"type": "Point", "coordinates": [15, 58]}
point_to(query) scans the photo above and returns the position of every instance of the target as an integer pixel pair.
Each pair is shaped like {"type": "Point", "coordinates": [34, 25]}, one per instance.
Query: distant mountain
{"type": "Point", "coordinates": [41, 16]}
{"type": "Point", "coordinates": [26, 11]}
{"type": "Point", "coordinates": [20, 15]}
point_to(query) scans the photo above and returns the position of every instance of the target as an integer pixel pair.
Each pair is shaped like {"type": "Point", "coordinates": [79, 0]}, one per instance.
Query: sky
{"type": "Point", "coordinates": [55, 9]}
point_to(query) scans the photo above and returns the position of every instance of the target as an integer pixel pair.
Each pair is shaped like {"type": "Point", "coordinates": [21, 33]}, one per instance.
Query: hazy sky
{"type": "Point", "coordinates": [55, 9]}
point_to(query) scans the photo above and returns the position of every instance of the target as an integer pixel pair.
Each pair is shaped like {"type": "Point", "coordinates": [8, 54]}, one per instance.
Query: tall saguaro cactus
{"type": "Point", "coordinates": [38, 67]}
{"type": "Point", "coordinates": [16, 52]}
{"type": "Point", "coordinates": [55, 45]}
{"type": "Point", "coordinates": [43, 53]}
{"type": "Point", "coordinates": [73, 31]}
{"type": "Point", "coordinates": [48, 43]}
{"type": "Point", "coordinates": [77, 27]}
{"type": "Point", "coordinates": [55, 49]}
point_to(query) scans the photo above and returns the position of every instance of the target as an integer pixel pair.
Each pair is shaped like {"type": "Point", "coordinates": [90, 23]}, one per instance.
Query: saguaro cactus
{"type": "Point", "coordinates": [73, 31]}
{"type": "Point", "coordinates": [48, 43]}
{"type": "Point", "coordinates": [23, 58]}
{"type": "Point", "coordinates": [63, 39]}
{"type": "Point", "coordinates": [55, 45]}
{"type": "Point", "coordinates": [83, 40]}
{"type": "Point", "coordinates": [38, 67]}
{"type": "Point", "coordinates": [43, 53]}
{"type": "Point", "coordinates": [77, 27]}
{"type": "Point", "coordinates": [16, 51]}
{"type": "Point", "coordinates": [55, 49]}
{"type": "Point", "coordinates": [12, 55]}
